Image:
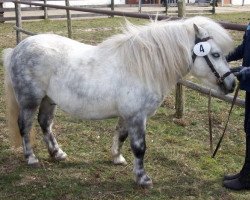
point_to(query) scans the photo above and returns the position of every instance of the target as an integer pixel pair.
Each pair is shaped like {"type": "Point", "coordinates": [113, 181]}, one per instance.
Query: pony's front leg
{"type": "Point", "coordinates": [45, 119]}
{"type": "Point", "coordinates": [120, 136]}
{"type": "Point", "coordinates": [137, 130]}
{"type": "Point", "coordinates": [25, 123]}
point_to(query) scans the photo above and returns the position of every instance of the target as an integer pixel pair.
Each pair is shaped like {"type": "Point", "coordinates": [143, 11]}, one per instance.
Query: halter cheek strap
{"type": "Point", "coordinates": [197, 40]}
{"type": "Point", "coordinates": [220, 79]}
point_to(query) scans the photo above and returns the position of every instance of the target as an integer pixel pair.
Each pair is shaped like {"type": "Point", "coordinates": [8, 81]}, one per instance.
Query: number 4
{"type": "Point", "coordinates": [202, 49]}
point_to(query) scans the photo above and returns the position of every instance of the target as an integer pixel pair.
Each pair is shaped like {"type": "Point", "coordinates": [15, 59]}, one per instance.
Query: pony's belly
{"type": "Point", "coordinates": [94, 112]}
{"type": "Point", "coordinates": [87, 108]}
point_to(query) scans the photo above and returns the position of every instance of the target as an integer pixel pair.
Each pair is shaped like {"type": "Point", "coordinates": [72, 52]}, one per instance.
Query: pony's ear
{"type": "Point", "coordinates": [200, 32]}
{"type": "Point", "coordinates": [196, 29]}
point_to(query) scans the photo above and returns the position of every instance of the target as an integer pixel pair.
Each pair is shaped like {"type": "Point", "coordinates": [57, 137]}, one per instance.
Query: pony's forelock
{"type": "Point", "coordinates": [220, 35]}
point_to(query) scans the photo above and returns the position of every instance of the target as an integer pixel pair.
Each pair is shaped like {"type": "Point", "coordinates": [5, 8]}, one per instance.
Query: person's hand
{"type": "Point", "coordinates": [243, 73]}
{"type": "Point", "coordinates": [236, 69]}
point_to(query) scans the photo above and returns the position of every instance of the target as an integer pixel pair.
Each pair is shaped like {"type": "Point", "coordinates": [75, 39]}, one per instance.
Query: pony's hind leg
{"type": "Point", "coordinates": [137, 129]}
{"type": "Point", "coordinates": [45, 119]}
{"type": "Point", "coordinates": [120, 136]}
{"type": "Point", "coordinates": [25, 118]}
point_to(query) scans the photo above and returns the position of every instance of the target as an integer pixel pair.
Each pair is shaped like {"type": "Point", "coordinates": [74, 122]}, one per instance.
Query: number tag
{"type": "Point", "coordinates": [202, 48]}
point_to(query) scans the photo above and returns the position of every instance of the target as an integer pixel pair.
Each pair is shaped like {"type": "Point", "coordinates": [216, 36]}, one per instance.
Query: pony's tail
{"type": "Point", "coordinates": [12, 108]}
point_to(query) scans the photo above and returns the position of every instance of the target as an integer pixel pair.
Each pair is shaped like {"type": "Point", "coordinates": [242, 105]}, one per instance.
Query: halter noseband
{"type": "Point", "coordinates": [220, 79]}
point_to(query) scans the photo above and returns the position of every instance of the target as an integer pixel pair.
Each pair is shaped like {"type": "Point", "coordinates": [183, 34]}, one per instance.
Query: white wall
{"type": "Point", "coordinates": [88, 2]}
{"type": "Point", "coordinates": [72, 3]}
{"type": "Point", "coordinates": [239, 2]}
{"type": "Point", "coordinates": [190, 1]}
{"type": "Point", "coordinates": [100, 2]}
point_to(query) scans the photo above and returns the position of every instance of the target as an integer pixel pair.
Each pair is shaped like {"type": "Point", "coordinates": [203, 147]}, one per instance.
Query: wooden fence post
{"type": "Point", "coordinates": [139, 6]}
{"type": "Point", "coordinates": [68, 20]}
{"type": "Point", "coordinates": [181, 8]}
{"type": "Point", "coordinates": [45, 10]}
{"type": "Point", "coordinates": [1, 12]}
{"type": "Point", "coordinates": [18, 22]}
{"type": "Point", "coordinates": [112, 5]}
{"type": "Point", "coordinates": [179, 92]}
{"type": "Point", "coordinates": [166, 7]}
{"type": "Point", "coordinates": [179, 101]}
{"type": "Point", "coordinates": [214, 4]}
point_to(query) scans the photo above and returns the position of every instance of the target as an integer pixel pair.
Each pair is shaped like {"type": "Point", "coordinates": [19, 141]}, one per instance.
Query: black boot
{"type": "Point", "coordinates": [231, 176]}
{"type": "Point", "coordinates": [237, 184]}
{"type": "Point", "coordinates": [242, 179]}
{"type": "Point", "coordinates": [242, 182]}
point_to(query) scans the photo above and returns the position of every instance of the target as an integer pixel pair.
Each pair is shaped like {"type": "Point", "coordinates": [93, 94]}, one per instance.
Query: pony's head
{"type": "Point", "coordinates": [209, 63]}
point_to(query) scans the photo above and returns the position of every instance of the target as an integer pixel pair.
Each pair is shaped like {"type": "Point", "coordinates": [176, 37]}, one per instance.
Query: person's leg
{"type": "Point", "coordinates": [241, 180]}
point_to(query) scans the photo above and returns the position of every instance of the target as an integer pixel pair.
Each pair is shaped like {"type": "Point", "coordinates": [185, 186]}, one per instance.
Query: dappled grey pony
{"type": "Point", "coordinates": [126, 76]}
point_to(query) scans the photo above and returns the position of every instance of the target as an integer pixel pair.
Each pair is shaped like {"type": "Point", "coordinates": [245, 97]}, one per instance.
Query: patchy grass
{"type": "Point", "coordinates": [177, 158]}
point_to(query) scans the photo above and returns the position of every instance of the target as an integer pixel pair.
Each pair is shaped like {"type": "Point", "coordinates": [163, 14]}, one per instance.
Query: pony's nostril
{"type": "Point", "coordinates": [230, 91]}
{"type": "Point", "coordinates": [233, 85]}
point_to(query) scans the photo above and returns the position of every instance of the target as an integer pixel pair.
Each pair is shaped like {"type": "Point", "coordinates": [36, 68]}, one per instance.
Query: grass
{"type": "Point", "coordinates": [177, 158]}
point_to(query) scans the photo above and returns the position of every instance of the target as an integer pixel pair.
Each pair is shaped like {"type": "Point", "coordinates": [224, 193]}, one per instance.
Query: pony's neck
{"type": "Point", "coordinates": [158, 54]}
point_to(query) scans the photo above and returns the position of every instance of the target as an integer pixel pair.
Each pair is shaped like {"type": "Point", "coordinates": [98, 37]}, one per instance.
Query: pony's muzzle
{"type": "Point", "coordinates": [228, 85]}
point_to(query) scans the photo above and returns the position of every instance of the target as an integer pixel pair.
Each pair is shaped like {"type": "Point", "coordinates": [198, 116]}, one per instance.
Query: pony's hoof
{"type": "Point", "coordinates": [119, 160]}
{"type": "Point", "coordinates": [33, 162]}
{"type": "Point", "coordinates": [60, 155]}
{"type": "Point", "coordinates": [34, 165]}
{"type": "Point", "coordinates": [145, 181]}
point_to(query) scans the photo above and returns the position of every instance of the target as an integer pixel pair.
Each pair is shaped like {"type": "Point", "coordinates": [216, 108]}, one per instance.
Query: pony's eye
{"type": "Point", "coordinates": [216, 55]}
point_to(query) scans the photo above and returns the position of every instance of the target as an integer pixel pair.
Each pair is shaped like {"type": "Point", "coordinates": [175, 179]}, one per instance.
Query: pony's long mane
{"type": "Point", "coordinates": [160, 52]}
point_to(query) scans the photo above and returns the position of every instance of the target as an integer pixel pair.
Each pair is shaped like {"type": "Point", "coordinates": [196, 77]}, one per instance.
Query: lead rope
{"type": "Point", "coordinates": [230, 111]}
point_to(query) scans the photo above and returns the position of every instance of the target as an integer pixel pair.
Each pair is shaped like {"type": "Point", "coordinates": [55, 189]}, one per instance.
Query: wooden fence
{"type": "Point", "coordinates": [179, 102]}
{"type": "Point", "coordinates": [40, 12]}
{"type": "Point", "coordinates": [43, 12]}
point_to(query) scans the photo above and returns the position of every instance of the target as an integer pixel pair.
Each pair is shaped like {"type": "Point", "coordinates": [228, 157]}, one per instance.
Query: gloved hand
{"type": "Point", "coordinates": [243, 73]}
{"type": "Point", "coordinates": [236, 69]}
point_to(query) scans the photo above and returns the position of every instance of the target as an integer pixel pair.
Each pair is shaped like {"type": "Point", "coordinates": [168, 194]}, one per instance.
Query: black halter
{"type": "Point", "coordinates": [220, 79]}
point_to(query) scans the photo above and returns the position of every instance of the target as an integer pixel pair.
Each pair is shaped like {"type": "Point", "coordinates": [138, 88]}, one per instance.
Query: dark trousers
{"type": "Point", "coordinates": [245, 172]}
{"type": "Point", "coordinates": [247, 114]}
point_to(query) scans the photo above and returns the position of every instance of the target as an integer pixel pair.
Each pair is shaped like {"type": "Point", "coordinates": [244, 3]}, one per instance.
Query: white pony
{"type": "Point", "coordinates": [126, 76]}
